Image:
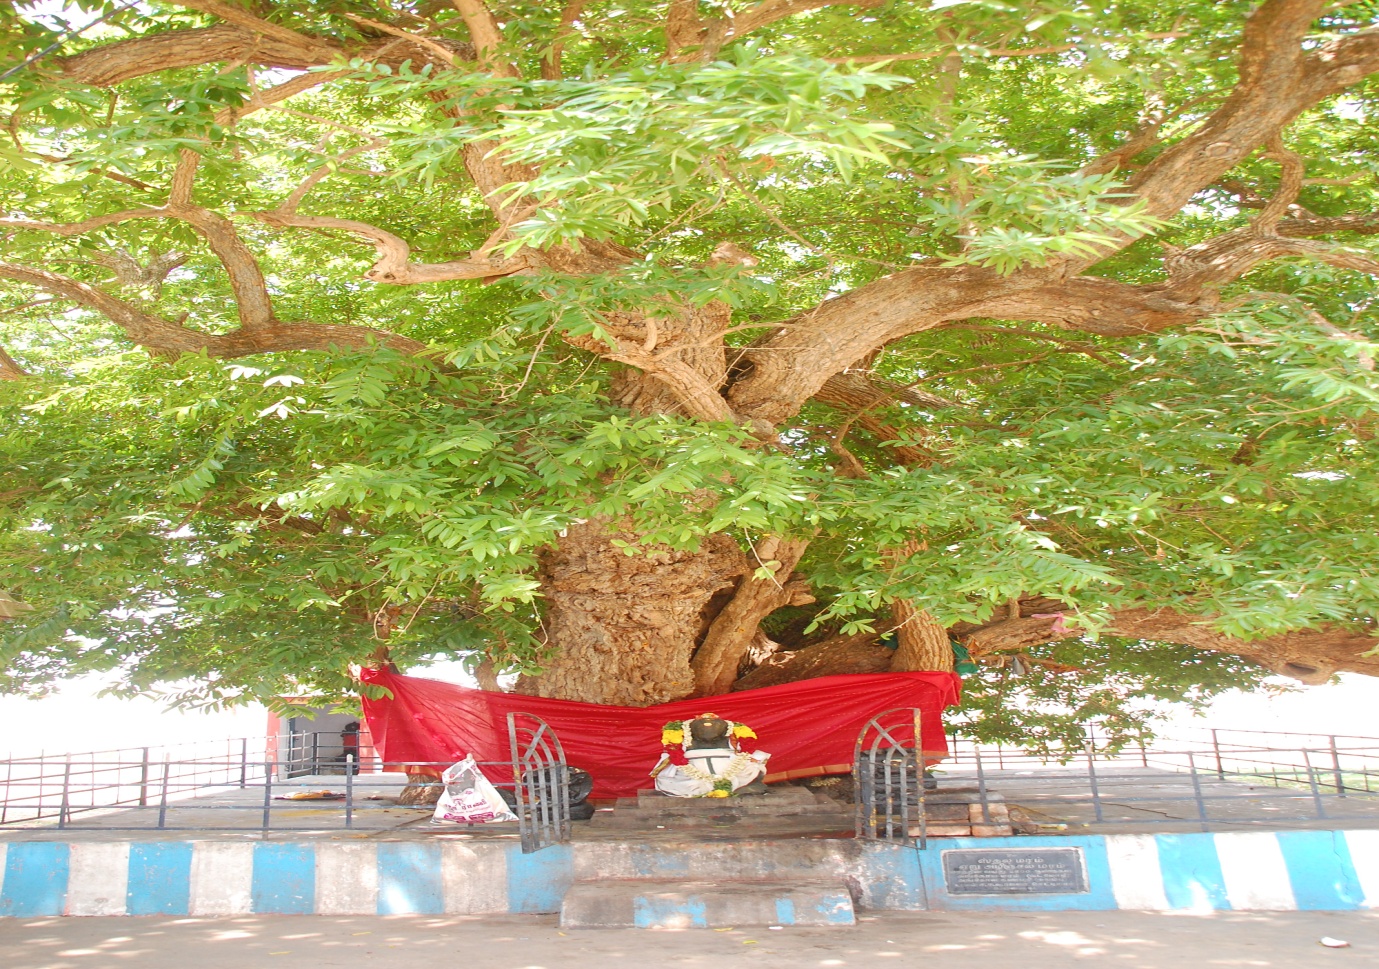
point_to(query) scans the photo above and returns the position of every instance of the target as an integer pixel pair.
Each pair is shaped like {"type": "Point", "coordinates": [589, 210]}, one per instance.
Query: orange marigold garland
{"type": "Point", "coordinates": [676, 739]}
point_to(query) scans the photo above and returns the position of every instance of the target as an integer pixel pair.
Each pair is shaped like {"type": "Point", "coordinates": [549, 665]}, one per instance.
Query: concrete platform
{"type": "Point", "coordinates": [783, 811]}
{"type": "Point", "coordinates": [395, 862]}
{"type": "Point", "coordinates": [688, 904]}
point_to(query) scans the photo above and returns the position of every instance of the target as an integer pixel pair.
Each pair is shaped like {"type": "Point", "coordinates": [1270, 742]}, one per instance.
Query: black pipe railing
{"type": "Point", "coordinates": [1221, 777]}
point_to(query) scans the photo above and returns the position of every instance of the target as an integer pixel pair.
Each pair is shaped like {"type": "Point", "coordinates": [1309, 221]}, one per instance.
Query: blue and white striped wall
{"type": "Point", "coordinates": [1238, 871]}
{"type": "Point", "coordinates": [1310, 870]}
{"type": "Point", "coordinates": [325, 878]}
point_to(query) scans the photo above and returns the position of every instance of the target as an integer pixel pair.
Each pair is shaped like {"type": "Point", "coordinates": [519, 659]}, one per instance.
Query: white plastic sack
{"type": "Point", "coordinates": [469, 798]}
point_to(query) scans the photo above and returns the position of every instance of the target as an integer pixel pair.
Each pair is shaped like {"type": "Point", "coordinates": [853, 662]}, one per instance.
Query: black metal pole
{"type": "Point", "coordinates": [1336, 775]}
{"type": "Point", "coordinates": [267, 792]}
{"type": "Point", "coordinates": [143, 781]}
{"type": "Point", "coordinates": [1092, 779]}
{"type": "Point", "coordinates": [163, 800]}
{"type": "Point", "coordinates": [1312, 783]}
{"type": "Point", "coordinates": [66, 793]}
{"type": "Point", "coordinates": [349, 790]}
{"type": "Point", "coordinates": [981, 784]}
{"type": "Point", "coordinates": [1197, 789]}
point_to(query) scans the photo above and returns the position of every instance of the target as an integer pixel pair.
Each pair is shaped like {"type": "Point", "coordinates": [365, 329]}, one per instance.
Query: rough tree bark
{"type": "Point", "coordinates": [718, 660]}
{"type": "Point", "coordinates": [922, 642]}
{"type": "Point", "coordinates": [627, 625]}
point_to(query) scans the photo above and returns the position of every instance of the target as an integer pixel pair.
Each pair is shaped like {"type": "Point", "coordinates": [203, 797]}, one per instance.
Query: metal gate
{"type": "Point", "coordinates": [888, 778]}
{"type": "Point", "coordinates": [541, 780]}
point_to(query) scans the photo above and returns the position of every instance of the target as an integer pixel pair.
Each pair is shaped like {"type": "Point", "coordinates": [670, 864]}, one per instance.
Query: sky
{"type": "Point", "coordinates": [76, 720]}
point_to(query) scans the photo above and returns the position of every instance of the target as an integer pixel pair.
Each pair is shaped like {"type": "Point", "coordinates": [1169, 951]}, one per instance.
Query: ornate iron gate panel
{"type": "Point", "coordinates": [542, 782]}
{"type": "Point", "coordinates": [888, 778]}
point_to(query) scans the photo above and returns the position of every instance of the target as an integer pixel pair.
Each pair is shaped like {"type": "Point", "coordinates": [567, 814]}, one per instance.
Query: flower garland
{"type": "Point", "coordinates": [675, 743]}
{"type": "Point", "coordinates": [723, 782]}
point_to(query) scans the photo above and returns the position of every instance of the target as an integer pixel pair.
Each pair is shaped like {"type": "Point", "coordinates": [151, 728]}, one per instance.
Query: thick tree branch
{"type": "Point", "coordinates": [486, 35]}
{"type": "Point", "coordinates": [551, 68]}
{"type": "Point", "coordinates": [792, 364]}
{"type": "Point", "coordinates": [124, 60]}
{"type": "Point", "coordinates": [1231, 255]}
{"type": "Point", "coordinates": [856, 391]}
{"type": "Point", "coordinates": [690, 37]}
{"type": "Point", "coordinates": [1278, 80]}
{"type": "Point", "coordinates": [922, 642]}
{"type": "Point", "coordinates": [858, 653]}
{"type": "Point", "coordinates": [252, 302]}
{"type": "Point", "coordinates": [718, 659]}
{"type": "Point", "coordinates": [9, 369]}
{"type": "Point", "coordinates": [165, 336]}
{"type": "Point", "coordinates": [240, 17]}
{"type": "Point", "coordinates": [1227, 257]}
{"type": "Point", "coordinates": [393, 265]}
{"type": "Point", "coordinates": [86, 225]}
{"type": "Point", "coordinates": [251, 292]}
{"type": "Point", "coordinates": [425, 43]}
{"type": "Point", "coordinates": [1309, 655]}
{"type": "Point", "coordinates": [1363, 224]}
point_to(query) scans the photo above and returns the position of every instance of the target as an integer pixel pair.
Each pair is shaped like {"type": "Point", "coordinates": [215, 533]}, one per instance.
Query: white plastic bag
{"type": "Point", "coordinates": [469, 798]}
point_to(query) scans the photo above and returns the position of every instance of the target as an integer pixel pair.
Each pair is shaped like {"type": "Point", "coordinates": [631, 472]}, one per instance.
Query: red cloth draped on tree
{"type": "Point", "coordinates": [809, 727]}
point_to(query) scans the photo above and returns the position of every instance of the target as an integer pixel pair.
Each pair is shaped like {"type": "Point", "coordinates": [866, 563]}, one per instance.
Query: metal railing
{"type": "Point", "coordinates": [325, 752]}
{"type": "Point", "coordinates": [229, 789]}
{"type": "Point", "coordinates": [888, 778]}
{"type": "Point", "coordinates": [59, 785]}
{"type": "Point", "coordinates": [207, 795]}
{"type": "Point", "coordinates": [1212, 778]}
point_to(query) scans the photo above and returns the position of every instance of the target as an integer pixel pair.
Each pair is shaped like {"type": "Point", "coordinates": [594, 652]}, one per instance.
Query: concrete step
{"type": "Point", "coordinates": [777, 798]}
{"type": "Point", "coordinates": [650, 813]}
{"type": "Point", "coordinates": [669, 904]}
{"type": "Point", "coordinates": [691, 807]}
{"type": "Point", "coordinates": [822, 820]}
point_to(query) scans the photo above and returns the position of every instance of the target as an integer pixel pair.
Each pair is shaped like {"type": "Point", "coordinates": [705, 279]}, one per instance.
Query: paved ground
{"type": "Point", "coordinates": [955, 941]}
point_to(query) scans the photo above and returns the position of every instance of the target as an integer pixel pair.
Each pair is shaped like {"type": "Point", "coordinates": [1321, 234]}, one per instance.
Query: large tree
{"type": "Point", "coordinates": [654, 348]}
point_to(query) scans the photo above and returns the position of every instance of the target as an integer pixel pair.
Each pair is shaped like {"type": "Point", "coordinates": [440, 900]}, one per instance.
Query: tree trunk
{"type": "Point", "coordinates": [718, 660]}
{"type": "Point", "coordinates": [857, 653]}
{"type": "Point", "coordinates": [486, 673]}
{"type": "Point", "coordinates": [923, 643]}
{"type": "Point", "coordinates": [627, 625]}
{"type": "Point", "coordinates": [423, 786]}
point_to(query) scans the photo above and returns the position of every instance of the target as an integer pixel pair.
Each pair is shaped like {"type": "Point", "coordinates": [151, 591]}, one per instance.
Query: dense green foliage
{"type": "Point", "coordinates": [241, 524]}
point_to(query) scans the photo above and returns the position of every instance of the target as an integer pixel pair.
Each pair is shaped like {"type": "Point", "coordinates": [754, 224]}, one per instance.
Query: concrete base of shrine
{"type": "Point", "coordinates": [698, 904]}
{"type": "Point", "coordinates": [782, 856]}
{"type": "Point", "coordinates": [1257, 870]}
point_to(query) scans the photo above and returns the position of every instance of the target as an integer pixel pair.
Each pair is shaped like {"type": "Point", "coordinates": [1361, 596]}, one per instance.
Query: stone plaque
{"type": "Point", "coordinates": [1014, 871]}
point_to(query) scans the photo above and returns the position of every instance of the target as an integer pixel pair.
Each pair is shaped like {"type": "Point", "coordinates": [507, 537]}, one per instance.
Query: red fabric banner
{"type": "Point", "coordinates": [809, 728]}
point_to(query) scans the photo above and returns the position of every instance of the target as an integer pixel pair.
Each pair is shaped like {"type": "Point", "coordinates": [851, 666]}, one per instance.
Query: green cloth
{"type": "Point", "coordinates": [963, 665]}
